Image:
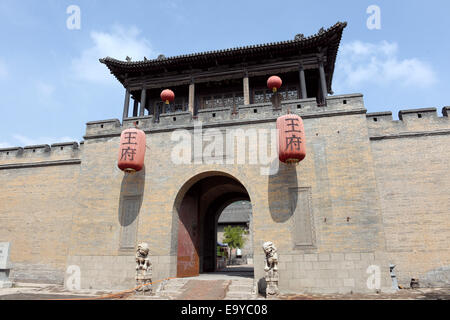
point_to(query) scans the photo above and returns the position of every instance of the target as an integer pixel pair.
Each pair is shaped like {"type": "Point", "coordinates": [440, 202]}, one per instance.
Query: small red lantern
{"type": "Point", "coordinates": [291, 139]}
{"type": "Point", "coordinates": [131, 150]}
{"type": "Point", "coordinates": [274, 83]}
{"type": "Point", "coordinates": [167, 96]}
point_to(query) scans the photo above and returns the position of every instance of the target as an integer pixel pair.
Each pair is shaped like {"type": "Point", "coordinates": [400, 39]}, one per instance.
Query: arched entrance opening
{"type": "Point", "coordinates": [197, 209]}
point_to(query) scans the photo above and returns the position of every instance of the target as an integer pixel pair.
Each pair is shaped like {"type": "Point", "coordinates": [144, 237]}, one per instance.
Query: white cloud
{"type": "Point", "coordinates": [119, 43]}
{"type": "Point", "coordinates": [27, 141]}
{"type": "Point", "coordinates": [362, 63]}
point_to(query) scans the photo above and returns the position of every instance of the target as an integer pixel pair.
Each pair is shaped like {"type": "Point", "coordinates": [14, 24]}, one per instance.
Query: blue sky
{"type": "Point", "coordinates": [51, 82]}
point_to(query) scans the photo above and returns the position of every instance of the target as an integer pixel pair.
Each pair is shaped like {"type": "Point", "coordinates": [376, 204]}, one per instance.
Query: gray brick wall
{"type": "Point", "coordinates": [378, 196]}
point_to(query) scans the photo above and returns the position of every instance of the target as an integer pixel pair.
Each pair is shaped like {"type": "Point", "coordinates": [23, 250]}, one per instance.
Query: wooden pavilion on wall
{"type": "Point", "coordinates": [231, 77]}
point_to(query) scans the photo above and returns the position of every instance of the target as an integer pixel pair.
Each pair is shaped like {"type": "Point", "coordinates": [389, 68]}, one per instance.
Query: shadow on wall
{"type": "Point", "coordinates": [282, 201]}
{"type": "Point", "coordinates": [131, 195]}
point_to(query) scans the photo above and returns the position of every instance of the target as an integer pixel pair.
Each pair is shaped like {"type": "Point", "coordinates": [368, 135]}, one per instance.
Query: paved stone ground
{"type": "Point", "coordinates": [212, 286]}
{"type": "Point", "coordinates": [404, 294]}
{"type": "Point", "coordinates": [42, 291]}
{"type": "Point", "coordinates": [37, 296]}
{"type": "Point", "coordinates": [204, 290]}
{"type": "Point", "coordinates": [418, 294]}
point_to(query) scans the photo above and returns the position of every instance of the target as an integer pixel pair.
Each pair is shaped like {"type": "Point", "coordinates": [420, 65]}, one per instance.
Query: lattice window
{"type": "Point", "coordinates": [228, 100]}
{"type": "Point", "coordinates": [258, 97]}
{"type": "Point", "coordinates": [239, 99]}
{"type": "Point", "coordinates": [178, 105]}
{"type": "Point", "coordinates": [292, 93]}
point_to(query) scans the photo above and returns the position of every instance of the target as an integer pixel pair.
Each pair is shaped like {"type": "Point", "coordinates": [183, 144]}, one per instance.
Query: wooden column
{"type": "Point", "coordinates": [126, 104]}
{"type": "Point", "coordinates": [143, 102]}
{"type": "Point", "coordinates": [323, 82]}
{"type": "Point", "coordinates": [246, 89]}
{"type": "Point", "coordinates": [302, 82]}
{"type": "Point", "coordinates": [191, 102]}
{"type": "Point", "coordinates": [135, 108]}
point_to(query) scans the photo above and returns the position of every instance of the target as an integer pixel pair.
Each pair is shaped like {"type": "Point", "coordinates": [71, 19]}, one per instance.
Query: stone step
{"type": "Point", "coordinates": [148, 298]}
{"type": "Point", "coordinates": [239, 292]}
{"type": "Point", "coordinates": [246, 283]}
{"type": "Point", "coordinates": [238, 289]}
{"type": "Point", "coordinates": [171, 289]}
{"type": "Point", "coordinates": [239, 296]}
{"type": "Point", "coordinates": [234, 287]}
{"type": "Point", "coordinates": [241, 289]}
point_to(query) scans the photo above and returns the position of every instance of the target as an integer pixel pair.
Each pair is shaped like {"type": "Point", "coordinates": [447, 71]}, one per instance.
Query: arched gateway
{"type": "Point", "coordinates": [196, 210]}
{"type": "Point", "coordinates": [364, 197]}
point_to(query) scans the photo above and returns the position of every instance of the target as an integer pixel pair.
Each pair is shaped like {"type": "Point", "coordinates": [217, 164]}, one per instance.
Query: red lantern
{"type": "Point", "coordinates": [274, 83]}
{"type": "Point", "coordinates": [291, 139]}
{"type": "Point", "coordinates": [131, 150]}
{"type": "Point", "coordinates": [167, 96]}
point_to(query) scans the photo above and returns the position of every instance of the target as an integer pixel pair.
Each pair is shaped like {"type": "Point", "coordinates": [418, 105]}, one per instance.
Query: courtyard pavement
{"type": "Point", "coordinates": [207, 286]}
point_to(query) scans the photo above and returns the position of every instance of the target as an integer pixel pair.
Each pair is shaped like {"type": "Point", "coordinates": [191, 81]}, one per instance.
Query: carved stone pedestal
{"type": "Point", "coordinates": [144, 282]}
{"type": "Point", "coordinates": [272, 284]}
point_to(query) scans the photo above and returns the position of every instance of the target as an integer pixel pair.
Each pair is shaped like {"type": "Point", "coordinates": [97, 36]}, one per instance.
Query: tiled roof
{"type": "Point", "coordinates": [330, 38]}
{"type": "Point", "coordinates": [238, 212]}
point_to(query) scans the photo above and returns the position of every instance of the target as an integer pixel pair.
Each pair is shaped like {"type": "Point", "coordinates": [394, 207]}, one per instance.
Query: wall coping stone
{"type": "Point", "coordinates": [40, 164]}
{"type": "Point", "coordinates": [420, 110]}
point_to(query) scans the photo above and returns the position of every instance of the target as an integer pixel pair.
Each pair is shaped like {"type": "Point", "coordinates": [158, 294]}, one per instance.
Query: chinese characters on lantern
{"type": "Point", "coordinates": [132, 150]}
{"type": "Point", "coordinates": [293, 141]}
{"type": "Point", "coordinates": [129, 152]}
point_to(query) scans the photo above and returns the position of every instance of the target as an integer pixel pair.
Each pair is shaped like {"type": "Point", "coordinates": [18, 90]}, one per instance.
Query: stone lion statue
{"type": "Point", "coordinates": [143, 268]}
{"type": "Point", "coordinates": [271, 256]}
{"type": "Point", "coordinates": [271, 268]}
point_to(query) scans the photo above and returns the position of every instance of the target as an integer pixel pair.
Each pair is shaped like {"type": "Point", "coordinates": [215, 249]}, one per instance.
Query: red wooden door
{"type": "Point", "coordinates": [188, 239]}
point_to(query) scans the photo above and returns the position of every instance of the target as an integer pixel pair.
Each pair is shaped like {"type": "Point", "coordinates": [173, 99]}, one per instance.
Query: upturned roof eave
{"type": "Point", "coordinates": [118, 67]}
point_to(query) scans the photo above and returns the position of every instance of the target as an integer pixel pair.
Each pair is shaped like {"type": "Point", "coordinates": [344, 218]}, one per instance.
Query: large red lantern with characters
{"type": "Point", "coordinates": [274, 83]}
{"type": "Point", "coordinates": [131, 150]}
{"type": "Point", "coordinates": [291, 139]}
{"type": "Point", "coordinates": [167, 96]}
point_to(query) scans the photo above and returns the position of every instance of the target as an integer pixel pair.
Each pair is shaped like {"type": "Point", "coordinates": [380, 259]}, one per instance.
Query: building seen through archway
{"type": "Point", "coordinates": [237, 214]}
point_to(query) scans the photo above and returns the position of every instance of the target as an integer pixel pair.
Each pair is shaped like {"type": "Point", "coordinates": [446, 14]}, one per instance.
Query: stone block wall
{"type": "Point", "coordinates": [332, 272]}
{"type": "Point", "coordinates": [37, 201]}
{"type": "Point", "coordinates": [115, 272]}
{"type": "Point", "coordinates": [411, 158]}
{"type": "Point", "coordinates": [368, 193]}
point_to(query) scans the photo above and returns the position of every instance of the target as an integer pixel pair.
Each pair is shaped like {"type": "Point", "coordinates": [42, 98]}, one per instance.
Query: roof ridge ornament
{"type": "Point", "coordinates": [321, 31]}
{"type": "Point", "coordinates": [299, 37]}
{"type": "Point", "coordinates": [128, 59]}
